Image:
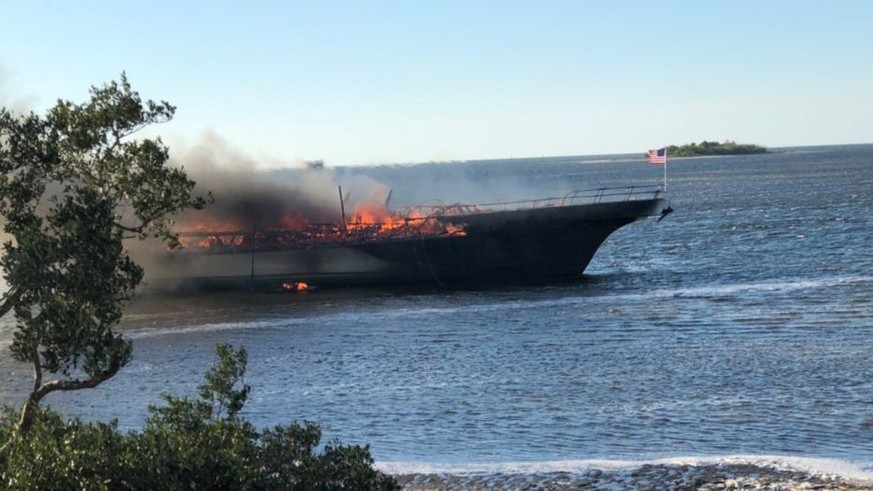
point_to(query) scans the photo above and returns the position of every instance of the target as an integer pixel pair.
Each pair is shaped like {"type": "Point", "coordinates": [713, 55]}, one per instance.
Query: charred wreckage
{"type": "Point", "coordinates": [450, 245]}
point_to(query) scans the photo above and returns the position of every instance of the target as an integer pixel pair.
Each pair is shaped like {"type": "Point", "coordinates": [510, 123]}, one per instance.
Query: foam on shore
{"type": "Point", "coordinates": [725, 472]}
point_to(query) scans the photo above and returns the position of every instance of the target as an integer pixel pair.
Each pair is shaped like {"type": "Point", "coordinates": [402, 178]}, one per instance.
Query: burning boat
{"type": "Point", "coordinates": [449, 244]}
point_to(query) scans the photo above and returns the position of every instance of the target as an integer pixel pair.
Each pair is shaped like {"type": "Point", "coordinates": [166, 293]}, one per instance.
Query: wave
{"type": "Point", "coordinates": [153, 332]}
{"type": "Point", "coordinates": [765, 286]}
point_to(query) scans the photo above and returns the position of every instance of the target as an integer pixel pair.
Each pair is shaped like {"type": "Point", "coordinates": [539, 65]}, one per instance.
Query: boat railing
{"type": "Point", "coordinates": [573, 198]}
{"type": "Point", "coordinates": [415, 222]}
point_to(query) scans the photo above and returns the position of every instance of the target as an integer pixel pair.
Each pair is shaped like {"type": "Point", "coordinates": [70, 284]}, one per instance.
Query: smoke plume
{"type": "Point", "coordinates": [246, 198]}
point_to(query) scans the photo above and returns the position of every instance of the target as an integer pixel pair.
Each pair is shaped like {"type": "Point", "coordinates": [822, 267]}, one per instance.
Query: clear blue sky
{"type": "Point", "coordinates": [406, 81]}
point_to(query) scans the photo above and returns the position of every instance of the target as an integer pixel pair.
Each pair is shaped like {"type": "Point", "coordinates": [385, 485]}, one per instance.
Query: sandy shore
{"type": "Point", "coordinates": [651, 476]}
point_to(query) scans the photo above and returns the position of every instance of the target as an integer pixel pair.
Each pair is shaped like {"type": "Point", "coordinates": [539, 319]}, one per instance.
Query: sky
{"type": "Point", "coordinates": [370, 82]}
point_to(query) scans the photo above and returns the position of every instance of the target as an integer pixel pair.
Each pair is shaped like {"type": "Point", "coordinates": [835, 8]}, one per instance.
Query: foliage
{"type": "Point", "coordinates": [55, 454]}
{"type": "Point", "coordinates": [727, 147]}
{"type": "Point", "coordinates": [186, 444]}
{"type": "Point", "coordinates": [73, 186]}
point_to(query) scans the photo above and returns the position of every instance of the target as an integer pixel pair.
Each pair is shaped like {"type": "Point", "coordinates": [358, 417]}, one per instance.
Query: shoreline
{"type": "Point", "coordinates": [735, 472]}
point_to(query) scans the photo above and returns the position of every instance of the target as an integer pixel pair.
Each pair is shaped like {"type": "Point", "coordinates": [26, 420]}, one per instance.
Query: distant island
{"type": "Point", "coordinates": [727, 147]}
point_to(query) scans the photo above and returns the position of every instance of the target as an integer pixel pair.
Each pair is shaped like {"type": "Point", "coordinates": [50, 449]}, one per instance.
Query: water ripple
{"type": "Point", "coordinates": [739, 325]}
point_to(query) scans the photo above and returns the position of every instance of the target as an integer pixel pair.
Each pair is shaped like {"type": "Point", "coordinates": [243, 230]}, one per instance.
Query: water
{"type": "Point", "coordinates": [741, 324]}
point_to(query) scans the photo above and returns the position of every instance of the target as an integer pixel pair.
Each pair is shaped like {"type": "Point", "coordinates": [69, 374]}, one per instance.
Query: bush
{"type": "Point", "coordinates": [185, 444]}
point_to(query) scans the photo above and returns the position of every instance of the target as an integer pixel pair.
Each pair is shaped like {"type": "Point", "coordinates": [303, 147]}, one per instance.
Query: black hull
{"type": "Point", "coordinates": [513, 246]}
{"type": "Point", "coordinates": [516, 246]}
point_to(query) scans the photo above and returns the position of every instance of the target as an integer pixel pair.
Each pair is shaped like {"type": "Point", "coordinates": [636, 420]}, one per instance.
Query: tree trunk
{"type": "Point", "coordinates": [25, 421]}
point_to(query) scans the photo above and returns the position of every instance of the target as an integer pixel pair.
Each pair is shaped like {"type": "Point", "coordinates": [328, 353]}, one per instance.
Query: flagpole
{"type": "Point", "coordinates": [665, 169]}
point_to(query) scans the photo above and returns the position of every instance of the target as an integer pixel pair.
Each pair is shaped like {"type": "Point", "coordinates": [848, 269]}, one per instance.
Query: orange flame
{"type": "Point", "coordinates": [295, 287]}
{"type": "Point", "coordinates": [371, 220]}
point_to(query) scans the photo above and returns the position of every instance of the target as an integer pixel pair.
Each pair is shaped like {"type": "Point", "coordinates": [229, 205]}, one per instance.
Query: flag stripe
{"type": "Point", "coordinates": [658, 157]}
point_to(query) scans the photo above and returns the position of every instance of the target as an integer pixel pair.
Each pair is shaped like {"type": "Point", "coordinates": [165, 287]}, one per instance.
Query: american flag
{"type": "Point", "coordinates": [658, 157]}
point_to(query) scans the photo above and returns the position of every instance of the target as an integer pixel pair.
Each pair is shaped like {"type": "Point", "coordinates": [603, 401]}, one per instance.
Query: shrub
{"type": "Point", "coordinates": [188, 443]}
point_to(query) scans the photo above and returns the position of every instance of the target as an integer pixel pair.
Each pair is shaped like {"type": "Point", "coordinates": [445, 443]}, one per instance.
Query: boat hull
{"type": "Point", "coordinates": [512, 246]}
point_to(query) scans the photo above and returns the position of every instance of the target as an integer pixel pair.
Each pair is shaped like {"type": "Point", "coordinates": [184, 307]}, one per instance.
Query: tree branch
{"type": "Point", "coordinates": [133, 230]}
{"type": "Point", "coordinates": [116, 361]}
{"type": "Point", "coordinates": [10, 299]}
{"type": "Point", "coordinates": [65, 385]}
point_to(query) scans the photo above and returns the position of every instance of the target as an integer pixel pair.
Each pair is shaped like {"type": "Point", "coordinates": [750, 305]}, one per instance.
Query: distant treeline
{"type": "Point", "coordinates": [727, 147]}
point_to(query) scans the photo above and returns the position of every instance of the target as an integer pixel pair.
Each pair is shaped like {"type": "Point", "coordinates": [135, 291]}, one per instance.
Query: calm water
{"type": "Point", "coordinates": [741, 324]}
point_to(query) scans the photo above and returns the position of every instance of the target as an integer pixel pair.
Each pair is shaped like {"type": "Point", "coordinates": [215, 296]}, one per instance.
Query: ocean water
{"type": "Point", "coordinates": [742, 324]}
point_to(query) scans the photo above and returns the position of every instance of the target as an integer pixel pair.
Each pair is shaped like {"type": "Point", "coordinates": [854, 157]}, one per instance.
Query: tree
{"type": "Point", "coordinates": [189, 443]}
{"type": "Point", "coordinates": [73, 186]}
